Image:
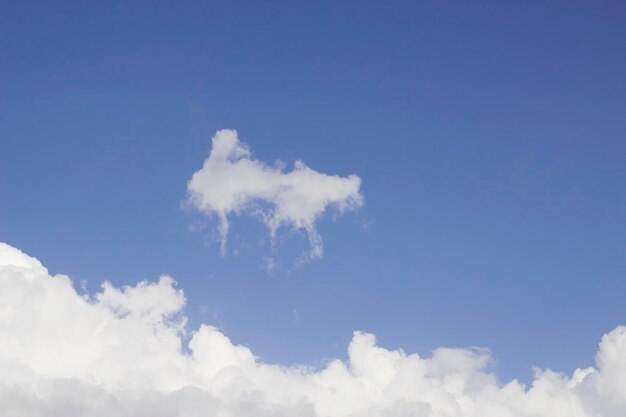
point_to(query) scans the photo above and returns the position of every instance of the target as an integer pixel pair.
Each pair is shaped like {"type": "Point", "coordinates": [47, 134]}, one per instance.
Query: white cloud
{"type": "Point", "coordinates": [231, 182]}
{"type": "Point", "coordinates": [120, 353]}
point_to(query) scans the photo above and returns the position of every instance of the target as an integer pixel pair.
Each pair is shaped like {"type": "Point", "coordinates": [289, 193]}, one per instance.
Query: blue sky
{"type": "Point", "coordinates": [489, 138]}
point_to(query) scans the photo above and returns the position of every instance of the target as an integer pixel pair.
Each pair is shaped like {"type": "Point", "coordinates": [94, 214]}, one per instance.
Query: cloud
{"type": "Point", "coordinates": [120, 352]}
{"type": "Point", "coordinates": [231, 182]}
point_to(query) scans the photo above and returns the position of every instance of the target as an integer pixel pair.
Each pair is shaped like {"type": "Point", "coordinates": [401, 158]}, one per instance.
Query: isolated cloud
{"type": "Point", "coordinates": [120, 353]}
{"type": "Point", "coordinates": [231, 182]}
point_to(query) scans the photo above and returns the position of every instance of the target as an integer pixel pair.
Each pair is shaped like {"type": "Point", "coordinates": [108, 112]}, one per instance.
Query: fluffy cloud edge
{"type": "Point", "coordinates": [121, 352]}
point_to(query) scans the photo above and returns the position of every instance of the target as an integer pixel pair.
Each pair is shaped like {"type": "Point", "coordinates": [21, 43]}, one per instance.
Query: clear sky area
{"type": "Point", "coordinates": [489, 139]}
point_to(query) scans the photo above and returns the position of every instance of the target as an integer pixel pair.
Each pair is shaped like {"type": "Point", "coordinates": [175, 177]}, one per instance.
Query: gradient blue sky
{"type": "Point", "coordinates": [490, 139]}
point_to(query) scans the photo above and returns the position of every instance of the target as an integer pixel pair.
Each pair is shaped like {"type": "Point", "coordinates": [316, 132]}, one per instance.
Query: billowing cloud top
{"type": "Point", "coordinates": [120, 353]}
{"type": "Point", "coordinates": [230, 181]}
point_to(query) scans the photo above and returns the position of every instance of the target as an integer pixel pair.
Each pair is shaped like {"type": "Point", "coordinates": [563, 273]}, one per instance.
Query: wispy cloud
{"type": "Point", "coordinates": [120, 353]}
{"type": "Point", "coordinates": [232, 182]}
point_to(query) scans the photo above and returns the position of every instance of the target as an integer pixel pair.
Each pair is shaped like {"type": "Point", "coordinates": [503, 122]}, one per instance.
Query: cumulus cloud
{"type": "Point", "coordinates": [120, 352]}
{"type": "Point", "coordinates": [231, 182]}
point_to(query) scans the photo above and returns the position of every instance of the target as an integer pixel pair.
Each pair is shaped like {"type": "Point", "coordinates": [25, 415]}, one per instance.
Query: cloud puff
{"type": "Point", "coordinates": [231, 182]}
{"type": "Point", "coordinates": [120, 352]}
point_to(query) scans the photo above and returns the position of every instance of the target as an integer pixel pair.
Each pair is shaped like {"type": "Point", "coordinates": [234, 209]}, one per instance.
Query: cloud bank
{"type": "Point", "coordinates": [231, 182]}
{"type": "Point", "coordinates": [120, 353]}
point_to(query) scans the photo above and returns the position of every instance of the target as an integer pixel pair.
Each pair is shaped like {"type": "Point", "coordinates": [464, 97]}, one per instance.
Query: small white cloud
{"type": "Point", "coordinates": [121, 353]}
{"type": "Point", "coordinates": [269, 264]}
{"type": "Point", "coordinates": [231, 182]}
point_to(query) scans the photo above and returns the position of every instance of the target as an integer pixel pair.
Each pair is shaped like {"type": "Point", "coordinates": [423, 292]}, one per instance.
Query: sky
{"type": "Point", "coordinates": [481, 148]}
